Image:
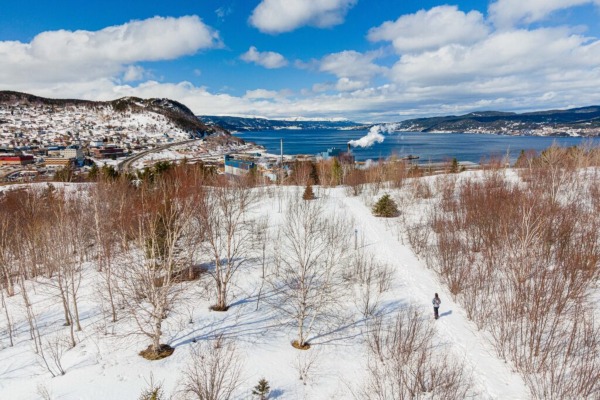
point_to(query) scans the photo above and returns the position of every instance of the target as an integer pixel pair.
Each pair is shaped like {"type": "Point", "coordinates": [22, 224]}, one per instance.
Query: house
{"type": "Point", "coordinates": [237, 167]}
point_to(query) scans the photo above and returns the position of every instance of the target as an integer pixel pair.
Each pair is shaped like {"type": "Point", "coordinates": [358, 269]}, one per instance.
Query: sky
{"type": "Point", "coordinates": [363, 60]}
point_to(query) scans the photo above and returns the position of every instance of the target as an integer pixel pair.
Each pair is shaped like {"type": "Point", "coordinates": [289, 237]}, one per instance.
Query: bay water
{"type": "Point", "coordinates": [429, 147]}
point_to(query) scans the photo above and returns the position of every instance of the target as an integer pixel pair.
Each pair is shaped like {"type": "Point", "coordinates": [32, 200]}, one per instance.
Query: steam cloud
{"type": "Point", "coordinates": [375, 135]}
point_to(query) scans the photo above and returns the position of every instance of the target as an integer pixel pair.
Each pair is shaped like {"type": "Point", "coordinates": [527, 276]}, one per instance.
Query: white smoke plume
{"type": "Point", "coordinates": [375, 135]}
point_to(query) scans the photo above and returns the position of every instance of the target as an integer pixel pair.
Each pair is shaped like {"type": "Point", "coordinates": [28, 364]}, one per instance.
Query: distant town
{"type": "Point", "coordinates": [38, 140]}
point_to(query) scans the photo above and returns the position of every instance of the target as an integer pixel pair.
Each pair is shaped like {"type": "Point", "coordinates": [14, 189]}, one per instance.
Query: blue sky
{"type": "Point", "coordinates": [366, 60]}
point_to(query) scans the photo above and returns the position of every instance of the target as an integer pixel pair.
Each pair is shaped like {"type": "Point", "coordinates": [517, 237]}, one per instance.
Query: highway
{"type": "Point", "coordinates": [125, 165]}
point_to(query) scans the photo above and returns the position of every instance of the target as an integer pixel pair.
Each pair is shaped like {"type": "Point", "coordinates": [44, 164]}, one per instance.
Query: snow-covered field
{"type": "Point", "coordinates": [105, 363]}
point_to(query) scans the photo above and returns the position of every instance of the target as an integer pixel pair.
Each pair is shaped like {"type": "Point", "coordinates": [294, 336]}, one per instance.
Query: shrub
{"type": "Point", "coordinates": [308, 193]}
{"type": "Point", "coordinates": [386, 207]}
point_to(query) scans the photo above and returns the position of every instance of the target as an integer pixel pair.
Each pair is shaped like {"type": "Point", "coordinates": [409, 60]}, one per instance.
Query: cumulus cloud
{"type": "Point", "coordinates": [352, 64]}
{"type": "Point", "coordinates": [57, 56]}
{"type": "Point", "coordinates": [354, 70]}
{"type": "Point", "coordinates": [491, 67]}
{"type": "Point", "coordinates": [261, 94]}
{"type": "Point", "coordinates": [525, 54]}
{"type": "Point", "coordinates": [267, 59]}
{"type": "Point", "coordinates": [133, 73]}
{"type": "Point", "coordinates": [508, 13]}
{"type": "Point", "coordinates": [431, 29]}
{"type": "Point", "coordinates": [277, 16]}
{"type": "Point", "coordinates": [449, 71]}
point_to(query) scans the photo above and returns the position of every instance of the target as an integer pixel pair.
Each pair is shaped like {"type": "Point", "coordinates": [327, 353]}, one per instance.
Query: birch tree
{"type": "Point", "coordinates": [148, 274]}
{"type": "Point", "coordinates": [309, 284]}
{"type": "Point", "coordinates": [223, 219]}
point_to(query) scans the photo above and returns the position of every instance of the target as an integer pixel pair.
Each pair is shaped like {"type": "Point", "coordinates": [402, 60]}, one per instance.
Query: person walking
{"type": "Point", "coordinates": [436, 305]}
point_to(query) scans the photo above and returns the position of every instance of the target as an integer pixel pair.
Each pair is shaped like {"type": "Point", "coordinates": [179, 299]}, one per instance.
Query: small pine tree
{"type": "Point", "coordinates": [314, 174]}
{"type": "Point", "coordinates": [308, 193]}
{"type": "Point", "coordinates": [336, 172]}
{"type": "Point", "coordinates": [153, 392]}
{"type": "Point", "coordinates": [262, 390]}
{"type": "Point", "coordinates": [386, 207]}
{"type": "Point", "coordinates": [454, 168]}
{"type": "Point", "coordinates": [93, 173]}
{"type": "Point", "coordinates": [522, 160]}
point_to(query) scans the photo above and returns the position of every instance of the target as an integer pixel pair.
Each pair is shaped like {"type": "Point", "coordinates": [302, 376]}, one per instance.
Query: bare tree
{"type": "Point", "coordinates": [309, 284]}
{"type": "Point", "coordinates": [227, 235]}
{"type": "Point", "coordinates": [51, 354]}
{"type": "Point", "coordinates": [214, 372]}
{"type": "Point", "coordinates": [148, 281]}
{"type": "Point", "coordinates": [7, 238]}
{"type": "Point", "coordinates": [403, 363]}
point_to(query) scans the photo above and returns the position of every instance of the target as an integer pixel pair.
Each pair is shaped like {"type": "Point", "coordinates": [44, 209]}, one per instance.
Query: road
{"type": "Point", "coordinates": [125, 165]}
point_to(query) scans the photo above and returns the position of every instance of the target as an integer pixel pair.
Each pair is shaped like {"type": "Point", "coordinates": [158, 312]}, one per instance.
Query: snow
{"type": "Point", "coordinates": [494, 376]}
{"type": "Point", "coordinates": [105, 364]}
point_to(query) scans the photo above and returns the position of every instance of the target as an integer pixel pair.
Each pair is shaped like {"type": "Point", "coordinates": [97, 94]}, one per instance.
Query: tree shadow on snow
{"type": "Point", "coordinates": [239, 323]}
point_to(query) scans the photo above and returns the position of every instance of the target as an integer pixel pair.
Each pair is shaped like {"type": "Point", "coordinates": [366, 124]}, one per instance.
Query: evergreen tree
{"type": "Point", "coordinates": [336, 172]}
{"type": "Point", "coordinates": [314, 174]}
{"type": "Point", "coordinates": [162, 167]}
{"type": "Point", "coordinates": [109, 172]}
{"type": "Point", "coordinates": [386, 207]}
{"type": "Point", "coordinates": [308, 193]}
{"type": "Point", "coordinates": [94, 173]}
{"type": "Point", "coordinates": [454, 168]}
{"type": "Point", "coordinates": [64, 174]}
{"type": "Point", "coordinates": [262, 390]}
{"type": "Point", "coordinates": [522, 160]}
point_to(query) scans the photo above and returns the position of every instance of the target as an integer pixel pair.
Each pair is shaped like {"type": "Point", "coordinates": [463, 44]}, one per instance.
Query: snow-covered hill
{"type": "Point", "coordinates": [105, 363]}
{"type": "Point", "coordinates": [27, 120]}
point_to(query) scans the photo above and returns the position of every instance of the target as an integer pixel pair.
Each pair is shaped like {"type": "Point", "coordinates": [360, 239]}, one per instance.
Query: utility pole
{"type": "Point", "coordinates": [280, 172]}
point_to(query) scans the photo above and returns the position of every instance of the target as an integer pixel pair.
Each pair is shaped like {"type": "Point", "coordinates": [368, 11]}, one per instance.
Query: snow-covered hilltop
{"type": "Point", "coordinates": [27, 120]}
{"type": "Point", "coordinates": [244, 124]}
{"type": "Point", "coordinates": [584, 121]}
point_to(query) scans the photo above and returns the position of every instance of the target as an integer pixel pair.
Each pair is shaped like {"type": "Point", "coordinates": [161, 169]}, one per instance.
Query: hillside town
{"type": "Point", "coordinates": [37, 138]}
{"type": "Point", "coordinates": [40, 137]}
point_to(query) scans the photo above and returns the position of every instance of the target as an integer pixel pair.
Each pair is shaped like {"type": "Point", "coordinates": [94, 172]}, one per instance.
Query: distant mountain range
{"type": "Point", "coordinates": [583, 121]}
{"type": "Point", "coordinates": [240, 124]}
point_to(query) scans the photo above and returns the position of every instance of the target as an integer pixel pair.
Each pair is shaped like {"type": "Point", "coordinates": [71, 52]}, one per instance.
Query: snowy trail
{"type": "Point", "coordinates": [493, 376]}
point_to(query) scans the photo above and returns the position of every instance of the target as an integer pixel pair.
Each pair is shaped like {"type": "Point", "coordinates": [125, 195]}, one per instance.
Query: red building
{"type": "Point", "coordinates": [16, 160]}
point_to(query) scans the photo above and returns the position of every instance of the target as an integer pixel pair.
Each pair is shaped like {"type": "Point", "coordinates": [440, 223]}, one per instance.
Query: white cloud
{"type": "Point", "coordinates": [348, 85]}
{"type": "Point", "coordinates": [261, 94]}
{"type": "Point", "coordinates": [352, 64]}
{"type": "Point", "coordinates": [426, 30]}
{"type": "Point", "coordinates": [527, 55]}
{"type": "Point", "coordinates": [133, 73]}
{"type": "Point", "coordinates": [277, 16]}
{"type": "Point", "coordinates": [63, 56]}
{"type": "Point", "coordinates": [508, 13]}
{"type": "Point", "coordinates": [439, 73]}
{"type": "Point", "coordinates": [267, 59]}
{"type": "Point", "coordinates": [223, 12]}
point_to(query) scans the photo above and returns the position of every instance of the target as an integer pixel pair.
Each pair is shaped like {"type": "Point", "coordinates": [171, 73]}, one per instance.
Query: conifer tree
{"type": "Point", "coordinates": [308, 193]}
{"type": "Point", "coordinates": [336, 172]}
{"type": "Point", "coordinates": [386, 207]}
{"type": "Point", "coordinates": [262, 390]}
{"type": "Point", "coordinates": [454, 167]}
{"type": "Point", "coordinates": [314, 174]}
